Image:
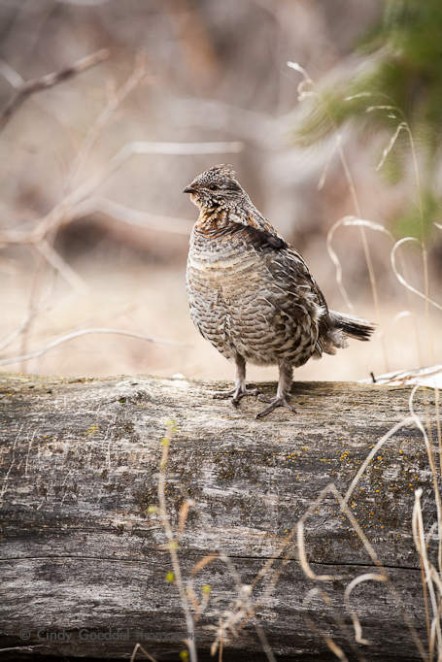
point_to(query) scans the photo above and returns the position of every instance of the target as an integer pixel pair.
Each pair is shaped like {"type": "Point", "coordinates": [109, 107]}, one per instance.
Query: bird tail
{"type": "Point", "coordinates": [352, 326]}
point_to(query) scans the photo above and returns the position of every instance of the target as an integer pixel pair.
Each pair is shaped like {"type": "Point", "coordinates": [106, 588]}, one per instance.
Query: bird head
{"type": "Point", "coordinates": [216, 187]}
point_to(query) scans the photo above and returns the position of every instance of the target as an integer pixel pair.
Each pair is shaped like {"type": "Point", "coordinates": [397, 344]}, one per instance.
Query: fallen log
{"type": "Point", "coordinates": [140, 510]}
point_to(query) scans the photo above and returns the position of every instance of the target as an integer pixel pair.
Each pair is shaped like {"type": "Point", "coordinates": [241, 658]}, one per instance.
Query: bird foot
{"type": "Point", "coordinates": [236, 394]}
{"type": "Point", "coordinates": [274, 404]}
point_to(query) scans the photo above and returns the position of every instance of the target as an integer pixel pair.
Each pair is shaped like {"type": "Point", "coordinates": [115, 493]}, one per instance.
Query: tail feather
{"type": "Point", "coordinates": [352, 326]}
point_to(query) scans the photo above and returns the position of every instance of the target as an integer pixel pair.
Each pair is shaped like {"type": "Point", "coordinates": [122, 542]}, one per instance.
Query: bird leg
{"type": "Point", "coordinates": [240, 389]}
{"type": "Point", "coordinates": [282, 393]}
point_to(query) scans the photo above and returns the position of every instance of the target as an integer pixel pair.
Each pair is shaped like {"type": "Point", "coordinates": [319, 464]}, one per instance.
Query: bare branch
{"type": "Point", "coordinates": [116, 98]}
{"type": "Point", "coordinates": [138, 148]}
{"type": "Point", "coordinates": [83, 332]}
{"type": "Point", "coordinates": [56, 261]}
{"type": "Point", "coordinates": [134, 217]}
{"type": "Point", "coordinates": [66, 208]}
{"type": "Point", "coordinates": [49, 80]}
{"type": "Point", "coordinates": [10, 74]}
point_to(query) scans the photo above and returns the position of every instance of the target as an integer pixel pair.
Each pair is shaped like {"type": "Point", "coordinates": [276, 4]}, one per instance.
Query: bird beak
{"type": "Point", "coordinates": [189, 189]}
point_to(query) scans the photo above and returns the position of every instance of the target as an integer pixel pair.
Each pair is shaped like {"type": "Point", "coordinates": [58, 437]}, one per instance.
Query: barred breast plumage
{"type": "Point", "coordinates": [250, 294]}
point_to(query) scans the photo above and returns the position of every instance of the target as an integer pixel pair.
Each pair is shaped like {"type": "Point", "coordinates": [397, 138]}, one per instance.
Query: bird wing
{"type": "Point", "coordinates": [285, 264]}
{"type": "Point", "coordinates": [303, 274]}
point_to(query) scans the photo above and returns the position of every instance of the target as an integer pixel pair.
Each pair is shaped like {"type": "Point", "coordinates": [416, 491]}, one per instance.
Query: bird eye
{"type": "Point", "coordinates": [213, 187]}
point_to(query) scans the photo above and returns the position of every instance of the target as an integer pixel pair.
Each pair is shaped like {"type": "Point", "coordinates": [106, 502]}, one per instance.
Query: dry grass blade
{"type": "Point", "coordinates": [374, 451]}
{"type": "Point", "coordinates": [348, 221]}
{"type": "Point", "coordinates": [306, 86]}
{"type": "Point", "coordinates": [401, 127]}
{"type": "Point", "coordinates": [382, 576]}
{"type": "Point", "coordinates": [335, 649]}
{"type": "Point", "coordinates": [331, 489]}
{"type": "Point", "coordinates": [303, 558]}
{"type": "Point", "coordinates": [172, 543]}
{"type": "Point", "coordinates": [308, 89]}
{"type": "Point", "coordinates": [193, 600]}
{"type": "Point", "coordinates": [423, 376]}
{"type": "Point", "coordinates": [319, 632]}
{"type": "Point", "coordinates": [139, 647]}
{"type": "Point", "coordinates": [239, 613]}
{"type": "Point", "coordinates": [414, 158]}
{"type": "Point", "coordinates": [369, 576]}
{"type": "Point", "coordinates": [202, 563]}
{"type": "Point", "coordinates": [337, 263]}
{"type": "Point", "coordinates": [234, 618]}
{"type": "Point", "coordinates": [49, 80]}
{"type": "Point", "coordinates": [183, 515]}
{"type": "Point", "coordinates": [434, 472]}
{"type": "Point", "coordinates": [434, 629]}
{"type": "Point", "coordinates": [400, 277]}
{"type": "Point", "coordinates": [265, 644]}
{"type": "Point", "coordinates": [439, 431]}
{"type": "Point", "coordinates": [300, 69]}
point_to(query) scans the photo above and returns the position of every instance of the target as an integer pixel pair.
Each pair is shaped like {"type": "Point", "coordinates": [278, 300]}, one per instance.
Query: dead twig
{"type": "Point", "coordinates": [77, 334]}
{"type": "Point", "coordinates": [114, 212]}
{"type": "Point", "coordinates": [116, 98]}
{"type": "Point", "coordinates": [65, 210]}
{"type": "Point", "coordinates": [176, 577]}
{"type": "Point", "coordinates": [48, 80]}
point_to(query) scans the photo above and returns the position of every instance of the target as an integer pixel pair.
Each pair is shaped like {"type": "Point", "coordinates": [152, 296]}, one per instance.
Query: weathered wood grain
{"type": "Point", "coordinates": [84, 556]}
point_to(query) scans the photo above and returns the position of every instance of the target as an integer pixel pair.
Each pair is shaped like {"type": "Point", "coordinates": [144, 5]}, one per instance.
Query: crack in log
{"type": "Point", "coordinates": [191, 555]}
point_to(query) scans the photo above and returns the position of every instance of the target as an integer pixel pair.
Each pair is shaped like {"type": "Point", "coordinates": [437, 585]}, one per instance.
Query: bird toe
{"type": "Point", "coordinates": [275, 403]}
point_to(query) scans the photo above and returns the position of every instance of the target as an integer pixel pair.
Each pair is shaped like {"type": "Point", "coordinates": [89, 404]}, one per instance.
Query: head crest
{"type": "Point", "coordinates": [223, 170]}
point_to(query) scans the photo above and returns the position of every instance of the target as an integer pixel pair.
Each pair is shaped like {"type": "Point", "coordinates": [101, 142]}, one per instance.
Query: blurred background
{"type": "Point", "coordinates": [94, 226]}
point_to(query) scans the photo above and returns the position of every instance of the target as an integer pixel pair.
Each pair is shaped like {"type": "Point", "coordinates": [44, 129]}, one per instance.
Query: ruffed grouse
{"type": "Point", "coordinates": [250, 294]}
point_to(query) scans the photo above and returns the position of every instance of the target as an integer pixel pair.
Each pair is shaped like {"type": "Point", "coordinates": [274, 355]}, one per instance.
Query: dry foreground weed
{"type": "Point", "coordinates": [243, 610]}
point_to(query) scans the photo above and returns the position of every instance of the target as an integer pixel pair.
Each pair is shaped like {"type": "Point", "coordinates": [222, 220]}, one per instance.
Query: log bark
{"type": "Point", "coordinates": [86, 565]}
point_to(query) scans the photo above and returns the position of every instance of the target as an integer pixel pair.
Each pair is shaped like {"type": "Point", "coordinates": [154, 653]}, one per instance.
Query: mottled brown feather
{"type": "Point", "coordinates": [250, 294]}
